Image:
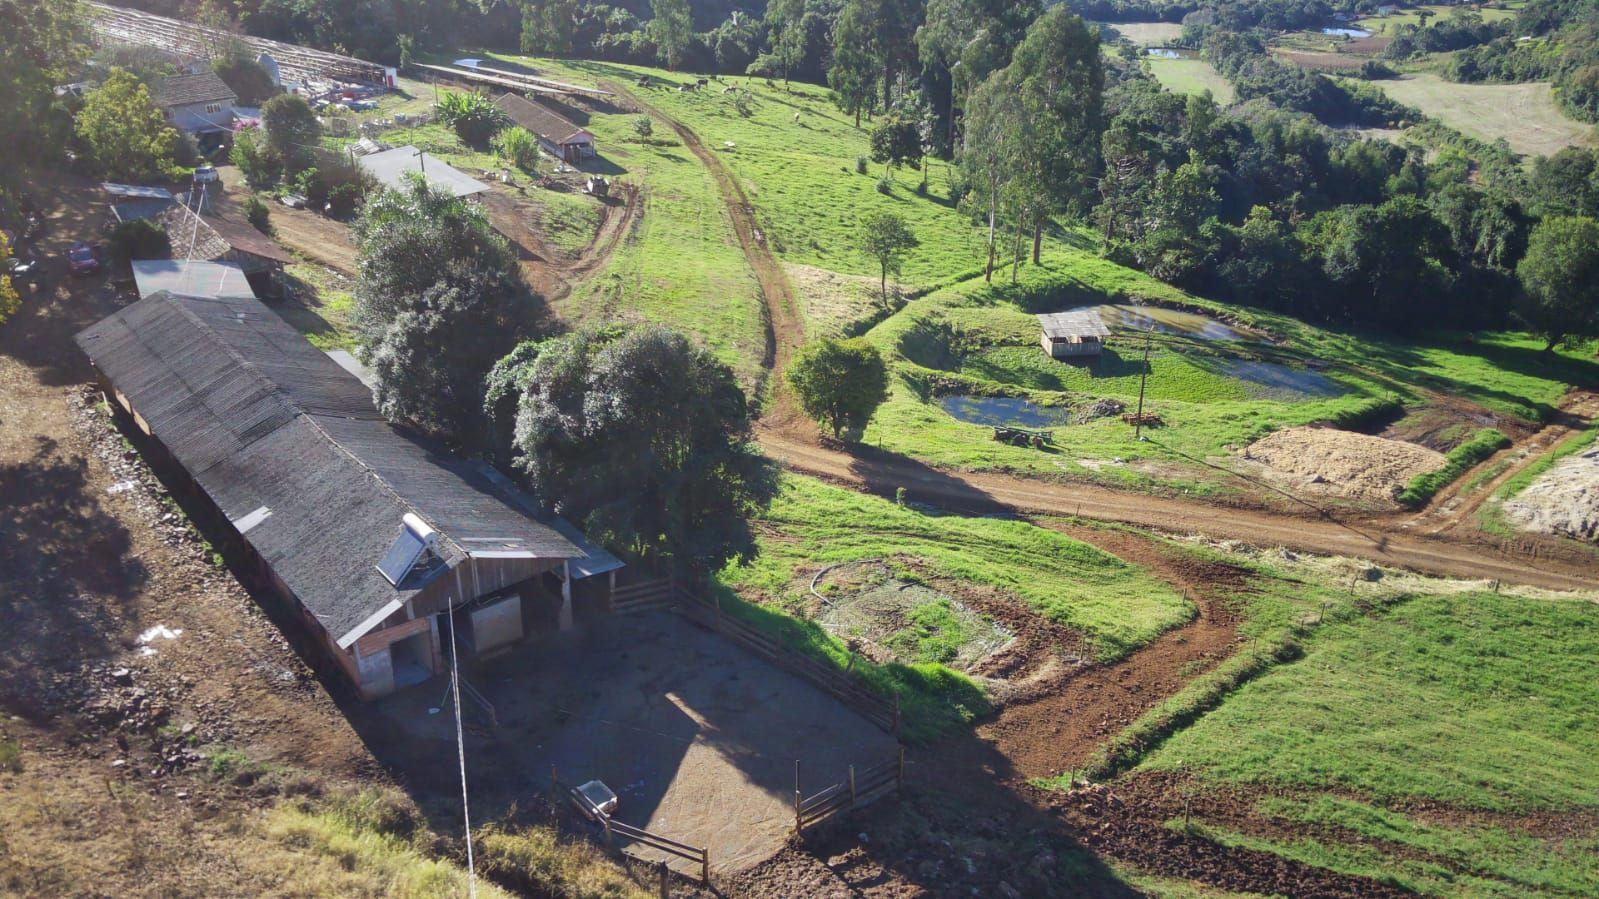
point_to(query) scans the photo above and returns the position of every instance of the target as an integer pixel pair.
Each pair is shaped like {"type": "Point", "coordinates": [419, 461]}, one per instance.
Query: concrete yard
{"type": "Point", "coordinates": [697, 737]}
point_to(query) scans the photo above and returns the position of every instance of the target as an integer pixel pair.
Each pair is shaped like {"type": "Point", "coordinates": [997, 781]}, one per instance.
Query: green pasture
{"type": "Point", "coordinates": [1191, 76]}
{"type": "Point", "coordinates": [1411, 738]}
{"type": "Point", "coordinates": [1388, 25]}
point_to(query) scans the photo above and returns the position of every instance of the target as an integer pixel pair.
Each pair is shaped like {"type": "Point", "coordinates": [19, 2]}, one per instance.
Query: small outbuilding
{"type": "Point", "coordinates": [557, 135]}
{"type": "Point", "coordinates": [1073, 333]}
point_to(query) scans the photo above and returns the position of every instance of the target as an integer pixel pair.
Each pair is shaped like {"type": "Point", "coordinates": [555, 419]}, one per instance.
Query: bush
{"type": "Point", "coordinates": [260, 165]}
{"type": "Point", "coordinates": [256, 212]}
{"type": "Point", "coordinates": [1423, 487]}
{"type": "Point", "coordinates": [139, 239]}
{"type": "Point", "coordinates": [474, 117]}
{"type": "Point", "coordinates": [860, 165]}
{"type": "Point", "coordinates": [520, 148]}
{"type": "Point", "coordinates": [644, 128]}
{"type": "Point", "coordinates": [345, 199]}
{"type": "Point", "coordinates": [885, 185]}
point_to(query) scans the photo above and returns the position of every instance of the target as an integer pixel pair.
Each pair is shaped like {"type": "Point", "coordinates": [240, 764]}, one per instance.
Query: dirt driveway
{"type": "Point", "coordinates": [697, 737]}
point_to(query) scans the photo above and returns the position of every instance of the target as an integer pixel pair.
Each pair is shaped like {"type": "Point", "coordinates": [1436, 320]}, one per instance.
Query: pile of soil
{"type": "Point", "coordinates": [1343, 462]}
{"type": "Point", "coordinates": [1563, 501]}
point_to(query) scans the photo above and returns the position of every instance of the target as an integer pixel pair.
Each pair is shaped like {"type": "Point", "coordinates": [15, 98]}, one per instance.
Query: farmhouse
{"type": "Point", "coordinates": [391, 167]}
{"type": "Point", "coordinates": [370, 535]}
{"type": "Point", "coordinates": [1076, 332]}
{"type": "Point", "coordinates": [559, 137]}
{"type": "Point", "coordinates": [198, 104]}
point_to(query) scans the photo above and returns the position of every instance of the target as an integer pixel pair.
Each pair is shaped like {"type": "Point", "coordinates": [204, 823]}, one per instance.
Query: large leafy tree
{"type": "Point", "coordinates": [549, 27]}
{"type": "Point", "coordinates": [672, 29]}
{"type": "Point", "coordinates": [1059, 82]}
{"type": "Point", "coordinates": [1561, 276]}
{"type": "Point", "coordinates": [853, 71]}
{"type": "Point", "coordinates": [40, 41]}
{"type": "Point", "coordinates": [1387, 262]}
{"type": "Point", "coordinates": [968, 40]}
{"type": "Point", "coordinates": [887, 238]}
{"type": "Point", "coordinates": [785, 23]}
{"type": "Point", "coordinates": [438, 298]}
{"type": "Point", "coordinates": [991, 160]}
{"type": "Point", "coordinates": [123, 131]}
{"type": "Point", "coordinates": [292, 129]}
{"type": "Point", "coordinates": [641, 436]}
{"type": "Point", "coordinates": [840, 383]}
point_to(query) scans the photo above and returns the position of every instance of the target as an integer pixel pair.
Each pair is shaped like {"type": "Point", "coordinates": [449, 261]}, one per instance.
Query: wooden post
{"type": "Point", "coordinates": [796, 798]}
{"type": "Point", "coordinates": [896, 716]}
{"type": "Point", "coordinates": [852, 786]}
{"type": "Point", "coordinates": [665, 888]}
{"type": "Point", "coordinates": [899, 776]}
{"type": "Point", "coordinates": [705, 866]}
{"type": "Point", "coordinates": [1138, 420]}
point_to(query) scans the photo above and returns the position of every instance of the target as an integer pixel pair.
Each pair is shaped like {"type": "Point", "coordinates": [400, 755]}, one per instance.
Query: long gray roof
{"type": "Point", "coordinates": [390, 168]}
{"type": "Point", "coordinates": [291, 449]}
{"type": "Point", "coordinates": [1085, 322]}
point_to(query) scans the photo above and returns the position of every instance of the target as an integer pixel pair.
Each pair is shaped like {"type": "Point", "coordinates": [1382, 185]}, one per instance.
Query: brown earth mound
{"type": "Point", "coordinates": [1343, 462]}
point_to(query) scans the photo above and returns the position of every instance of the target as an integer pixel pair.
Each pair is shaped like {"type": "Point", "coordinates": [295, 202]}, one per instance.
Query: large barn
{"type": "Point", "coordinates": [558, 135]}
{"type": "Point", "coordinates": [370, 534]}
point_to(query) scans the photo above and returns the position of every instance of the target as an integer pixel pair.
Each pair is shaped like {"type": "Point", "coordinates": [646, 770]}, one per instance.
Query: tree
{"type": "Point", "coordinates": [886, 238]}
{"type": "Point", "coordinates": [438, 297]}
{"type": "Point", "coordinates": [10, 302]}
{"type": "Point", "coordinates": [549, 27]}
{"type": "Point", "coordinates": [1059, 81]}
{"type": "Point", "coordinates": [989, 162]}
{"type": "Point", "coordinates": [785, 21]}
{"type": "Point", "coordinates": [292, 129]}
{"type": "Point", "coordinates": [473, 115]}
{"type": "Point", "coordinates": [840, 383]}
{"type": "Point", "coordinates": [124, 133]}
{"type": "Point", "coordinates": [968, 40]}
{"type": "Point", "coordinates": [644, 128]}
{"type": "Point", "coordinates": [852, 70]}
{"type": "Point", "coordinates": [672, 29]}
{"type": "Point", "coordinates": [897, 141]}
{"type": "Point", "coordinates": [41, 41]}
{"type": "Point", "coordinates": [1561, 276]}
{"type": "Point", "coordinates": [642, 437]}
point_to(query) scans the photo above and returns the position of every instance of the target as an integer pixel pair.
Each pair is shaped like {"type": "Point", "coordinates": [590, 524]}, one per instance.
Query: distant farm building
{"type": "Point", "coordinates": [198, 104]}
{"type": "Point", "coordinates": [1074, 333]}
{"type": "Point", "coordinates": [559, 137]}
{"type": "Point", "coordinates": [391, 168]}
{"type": "Point", "coordinates": [370, 535]}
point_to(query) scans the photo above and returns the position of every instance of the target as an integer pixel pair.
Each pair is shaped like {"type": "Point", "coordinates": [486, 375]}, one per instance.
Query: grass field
{"type": "Point", "coordinates": [1389, 24]}
{"type": "Point", "coordinates": [1147, 34]}
{"type": "Point", "coordinates": [1427, 742]}
{"type": "Point", "coordinates": [1525, 115]}
{"type": "Point", "coordinates": [1192, 76]}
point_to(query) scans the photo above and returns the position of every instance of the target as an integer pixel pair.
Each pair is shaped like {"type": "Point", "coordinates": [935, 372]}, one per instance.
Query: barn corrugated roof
{"type": "Point", "coordinates": [1084, 322]}
{"type": "Point", "coordinates": [291, 449]}
{"type": "Point", "coordinates": [539, 119]}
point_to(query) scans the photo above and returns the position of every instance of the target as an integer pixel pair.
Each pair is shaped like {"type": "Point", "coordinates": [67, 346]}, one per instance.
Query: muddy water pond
{"type": "Point", "coordinates": [1120, 316]}
{"type": "Point", "coordinates": [1347, 32]}
{"type": "Point", "coordinates": [1274, 381]}
{"type": "Point", "coordinates": [1170, 53]}
{"type": "Point", "coordinates": [1004, 411]}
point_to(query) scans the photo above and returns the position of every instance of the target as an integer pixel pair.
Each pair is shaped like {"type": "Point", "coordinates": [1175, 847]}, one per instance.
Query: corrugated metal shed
{"type": "Point", "coordinates": [277, 434]}
{"type": "Point", "coordinates": [200, 279]}
{"type": "Point", "coordinates": [1074, 323]}
{"type": "Point", "coordinates": [390, 168]}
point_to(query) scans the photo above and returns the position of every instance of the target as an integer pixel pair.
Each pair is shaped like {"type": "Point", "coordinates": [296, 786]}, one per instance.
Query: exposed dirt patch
{"type": "Point", "coordinates": [1444, 423]}
{"type": "Point", "coordinates": [1563, 501]}
{"type": "Point", "coordinates": [1343, 463]}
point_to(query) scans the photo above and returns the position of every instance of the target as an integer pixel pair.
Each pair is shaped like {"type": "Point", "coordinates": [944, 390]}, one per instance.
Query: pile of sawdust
{"type": "Point", "coordinates": [1563, 500]}
{"type": "Point", "coordinates": [1343, 462]}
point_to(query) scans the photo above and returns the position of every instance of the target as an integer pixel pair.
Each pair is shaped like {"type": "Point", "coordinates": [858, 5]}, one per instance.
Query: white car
{"type": "Point", "coordinates": [205, 174]}
{"type": "Point", "coordinates": [293, 201]}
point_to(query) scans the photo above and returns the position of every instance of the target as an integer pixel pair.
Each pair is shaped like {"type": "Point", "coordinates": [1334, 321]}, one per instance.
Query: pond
{"type": "Point", "coordinates": [1119, 316]}
{"type": "Point", "coordinates": [1004, 411]}
{"type": "Point", "coordinates": [1274, 381]}
{"type": "Point", "coordinates": [1170, 53]}
{"type": "Point", "coordinates": [1347, 32]}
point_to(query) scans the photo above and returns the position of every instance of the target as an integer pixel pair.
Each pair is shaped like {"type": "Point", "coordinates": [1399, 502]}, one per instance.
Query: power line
{"type": "Point", "coordinates": [460, 750]}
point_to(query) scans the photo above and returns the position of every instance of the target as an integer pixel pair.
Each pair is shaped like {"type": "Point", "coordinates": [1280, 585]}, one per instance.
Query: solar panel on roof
{"type": "Point", "coordinates": [397, 562]}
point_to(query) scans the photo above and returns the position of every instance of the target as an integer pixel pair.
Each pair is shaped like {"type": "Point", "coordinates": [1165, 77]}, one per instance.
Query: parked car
{"type": "Point", "coordinates": [82, 259]}
{"type": "Point", "coordinates": [293, 201]}
{"type": "Point", "coordinates": [205, 174]}
{"type": "Point", "coordinates": [24, 269]}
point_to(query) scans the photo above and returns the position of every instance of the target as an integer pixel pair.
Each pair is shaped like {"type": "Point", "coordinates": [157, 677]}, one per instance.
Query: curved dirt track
{"type": "Point", "coordinates": [1376, 540]}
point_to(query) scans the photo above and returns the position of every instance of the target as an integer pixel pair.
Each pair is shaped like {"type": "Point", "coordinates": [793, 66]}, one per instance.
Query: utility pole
{"type": "Point", "coordinates": [1138, 420]}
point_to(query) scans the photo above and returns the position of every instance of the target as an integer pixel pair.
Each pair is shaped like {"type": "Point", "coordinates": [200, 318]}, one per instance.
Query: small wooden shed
{"type": "Point", "coordinates": [1073, 333]}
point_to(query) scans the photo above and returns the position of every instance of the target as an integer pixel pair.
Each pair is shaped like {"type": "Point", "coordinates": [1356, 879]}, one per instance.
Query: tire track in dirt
{"type": "Point", "coordinates": [784, 330]}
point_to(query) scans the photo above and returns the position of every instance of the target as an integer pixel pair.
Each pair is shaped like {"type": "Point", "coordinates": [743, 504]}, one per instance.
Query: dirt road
{"type": "Point", "coordinates": [1375, 539]}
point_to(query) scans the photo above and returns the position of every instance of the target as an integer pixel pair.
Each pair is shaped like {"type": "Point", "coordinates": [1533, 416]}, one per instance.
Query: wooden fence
{"type": "Point", "coordinates": [644, 596]}
{"type": "Point", "coordinates": [847, 689]}
{"type": "Point", "coordinates": [863, 786]}
{"type": "Point", "coordinates": [613, 829]}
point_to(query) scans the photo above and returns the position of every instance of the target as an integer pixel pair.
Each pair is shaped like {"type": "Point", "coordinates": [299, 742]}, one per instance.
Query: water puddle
{"type": "Point", "coordinates": [1347, 32]}
{"type": "Point", "coordinates": [1170, 53]}
{"type": "Point", "coordinates": [1119, 316]}
{"type": "Point", "coordinates": [1004, 411]}
{"type": "Point", "coordinates": [1271, 380]}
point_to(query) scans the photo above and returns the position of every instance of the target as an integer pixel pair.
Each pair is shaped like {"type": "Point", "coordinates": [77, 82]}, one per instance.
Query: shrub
{"type": "Point", "coordinates": [256, 212]}
{"type": "Point", "coordinates": [519, 147]}
{"type": "Point", "coordinates": [473, 115]}
{"type": "Point", "coordinates": [1423, 487]}
{"type": "Point", "coordinates": [261, 167]}
{"type": "Point", "coordinates": [885, 185]}
{"type": "Point", "coordinates": [860, 165]}
{"type": "Point", "coordinates": [139, 239]}
{"type": "Point", "coordinates": [644, 128]}
{"type": "Point", "coordinates": [345, 199]}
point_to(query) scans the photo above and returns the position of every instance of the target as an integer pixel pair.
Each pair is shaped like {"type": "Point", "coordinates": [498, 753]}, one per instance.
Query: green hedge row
{"type": "Point", "coordinates": [1461, 459]}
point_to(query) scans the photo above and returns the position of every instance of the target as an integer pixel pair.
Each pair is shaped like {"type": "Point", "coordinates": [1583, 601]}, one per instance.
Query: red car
{"type": "Point", "coordinates": [82, 260]}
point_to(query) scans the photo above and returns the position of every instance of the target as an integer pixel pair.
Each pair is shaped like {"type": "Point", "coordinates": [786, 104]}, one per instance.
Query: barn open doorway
{"type": "Point", "coordinates": [412, 659]}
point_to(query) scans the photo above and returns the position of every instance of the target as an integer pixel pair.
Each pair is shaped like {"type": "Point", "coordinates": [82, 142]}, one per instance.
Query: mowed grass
{"type": "Point", "coordinates": [1192, 76]}
{"type": "Point", "coordinates": [1525, 115]}
{"type": "Point", "coordinates": [1115, 605]}
{"type": "Point", "coordinates": [1415, 737]}
{"type": "Point", "coordinates": [1390, 24]}
{"type": "Point", "coordinates": [681, 266]}
{"type": "Point", "coordinates": [1146, 34]}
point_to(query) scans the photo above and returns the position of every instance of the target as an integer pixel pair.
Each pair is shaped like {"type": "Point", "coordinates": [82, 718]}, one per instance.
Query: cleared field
{"type": "Point", "coordinates": [1446, 744]}
{"type": "Point", "coordinates": [1321, 61]}
{"type": "Point", "coordinates": [1146, 34]}
{"type": "Point", "coordinates": [1389, 24]}
{"type": "Point", "coordinates": [1192, 76]}
{"type": "Point", "coordinates": [1524, 115]}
